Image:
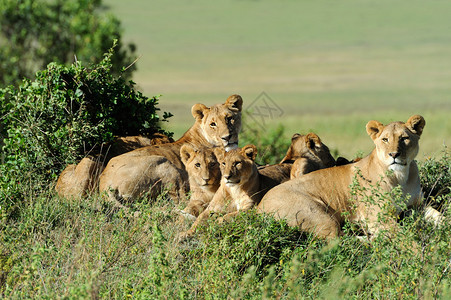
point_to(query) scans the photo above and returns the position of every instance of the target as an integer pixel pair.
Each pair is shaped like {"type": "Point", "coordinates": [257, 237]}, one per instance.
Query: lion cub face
{"type": "Point", "coordinates": [202, 166]}
{"type": "Point", "coordinates": [221, 123]}
{"type": "Point", "coordinates": [397, 142]}
{"type": "Point", "coordinates": [309, 146]}
{"type": "Point", "coordinates": [237, 165]}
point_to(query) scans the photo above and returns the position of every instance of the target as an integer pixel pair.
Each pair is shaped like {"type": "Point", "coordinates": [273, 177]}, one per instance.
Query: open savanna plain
{"type": "Point", "coordinates": [330, 66]}
{"type": "Point", "coordinates": [323, 66]}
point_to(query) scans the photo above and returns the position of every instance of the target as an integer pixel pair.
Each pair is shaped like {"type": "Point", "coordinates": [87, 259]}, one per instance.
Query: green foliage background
{"type": "Point", "coordinates": [66, 113]}
{"type": "Point", "coordinates": [34, 33]}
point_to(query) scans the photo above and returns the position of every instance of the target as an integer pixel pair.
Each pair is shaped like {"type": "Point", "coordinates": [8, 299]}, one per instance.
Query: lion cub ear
{"type": "Point", "coordinates": [198, 111]}
{"type": "Point", "coordinates": [250, 151]}
{"type": "Point", "coordinates": [374, 128]}
{"type": "Point", "coordinates": [186, 152]}
{"type": "Point", "coordinates": [234, 103]}
{"type": "Point", "coordinates": [312, 140]}
{"type": "Point", "coordinates": [416, 124]}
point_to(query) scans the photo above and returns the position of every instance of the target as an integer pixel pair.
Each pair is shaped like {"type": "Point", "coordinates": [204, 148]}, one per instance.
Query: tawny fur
{"type": "Point", "coordinates": [241, 187]}
{"type": "Point", "coordinates": [83, 178]}
{"type": "Point", "coordinates": [204, 178]}
{"type": "Point", "coordinates": [79, 180]}
{"type": "Point", "coordinates": [128, 176]}
{"type": "Point", "coordinates": [308, 154]}
{"type": "Point", "coordinates": [317, 201]}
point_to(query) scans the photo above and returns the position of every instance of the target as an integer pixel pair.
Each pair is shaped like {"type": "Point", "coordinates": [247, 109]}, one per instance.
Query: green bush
{"type": "Point", "coordinates": [436, 179]}
{"type": "Point", "coordinates": [34, 33]}
{"type": "Point", "coordinates": [272, 145]}
{"type": "Point", "coordinates": [63, 115]}
{"type": "Point", "coordinates": [67, 111]}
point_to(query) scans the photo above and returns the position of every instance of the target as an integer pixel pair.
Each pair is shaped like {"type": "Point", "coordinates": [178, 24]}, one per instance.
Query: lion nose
{"type": "Point", "coordinates": [227, 176]}
{"type": "Point", "coordinates": [226, 138]}
{"type": "Point", "coordinates": [394, 154]}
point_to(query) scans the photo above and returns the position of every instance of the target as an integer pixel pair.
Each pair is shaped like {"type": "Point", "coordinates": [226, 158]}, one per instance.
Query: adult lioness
{"type": "Point", "coordinates": [128, 175]}
{"type": "Point", "coordinates": [241, 187]}
{"type": "Point", "coordinates": [316, 201]}
{"type": "Point", "coordinates": [204, 178]}
{"type": "Point", "coordinates": [308, 154]}
{"type": "Point", "coordinates": [83, 178]}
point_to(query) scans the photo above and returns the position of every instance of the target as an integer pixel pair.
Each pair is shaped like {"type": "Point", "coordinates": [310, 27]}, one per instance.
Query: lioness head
{"type": "Point", "coordinates": [309, 146]}
{"type": "Point", "coordinates": [220, 123]}
{"type": "Point", "coordinates": [397, 142]}
{"type": "Point", "coordinates": [201, 165]}
{"type": "Point", "coordinates": [237, 165]}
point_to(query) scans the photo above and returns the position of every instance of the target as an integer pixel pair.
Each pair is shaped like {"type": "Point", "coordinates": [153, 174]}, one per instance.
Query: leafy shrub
{"type": "Point", "coordinates": [63, 115]}
{"type": "Point", "coordinates": [271, 145]}
{"type": "Point", "coordinates": [435, 177]}
{"type": "Point", "coordinates": [67, 111]}
{"type": "Point", "coordinates": [37, 32]}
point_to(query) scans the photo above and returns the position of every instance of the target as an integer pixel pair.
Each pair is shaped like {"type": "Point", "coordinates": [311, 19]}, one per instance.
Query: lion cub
{"type": "Point", "coordinates": [241, 187]}
{"type": "Point", "coordinates": [204, 178]}
{"type": "Point", "coordinates": [308, 154]}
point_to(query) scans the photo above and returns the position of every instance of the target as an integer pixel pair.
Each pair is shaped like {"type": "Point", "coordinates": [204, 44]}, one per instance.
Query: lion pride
{"type": "Point", "coordinates": [132, 174]}
{"type": "Point", "coordinates": [242, 186]}
{"type": "Point", "coordinates": [316, 202]}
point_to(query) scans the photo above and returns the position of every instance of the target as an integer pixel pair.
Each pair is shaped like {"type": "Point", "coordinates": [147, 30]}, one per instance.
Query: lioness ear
{"type": "Point", "coordinates": [219, 153]}
{"type": "Point", "coordinates": [312, 140]}
{"type": "Point", "coordinates": [186, 152]}
{"type": "Point", "coordinates": [416, 124]}
{"type": "Point", "coordinates": [250, 151]}
{"type": "Point", "coordinates": [234, 103]}
{"type": "Point", "coordinates": [289, 155]}
{"type": "Point", "coordinates": [198, 111]}
{"type": "Point", "coordinates": [374, 128]}
{"type": "Point", "coordinates": [295, 136]}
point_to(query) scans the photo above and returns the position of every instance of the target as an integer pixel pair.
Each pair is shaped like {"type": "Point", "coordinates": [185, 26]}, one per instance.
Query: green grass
{"type": "Point", "coordinates": [84, 248]}
{"type": "Point", "coordinates": [331, 66]}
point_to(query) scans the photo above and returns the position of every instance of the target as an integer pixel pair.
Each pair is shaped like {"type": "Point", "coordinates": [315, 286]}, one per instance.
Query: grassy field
{"type": "Point", "coordinates": [326, 66]}
{"type": "Point", "coordinates": [330, 66]}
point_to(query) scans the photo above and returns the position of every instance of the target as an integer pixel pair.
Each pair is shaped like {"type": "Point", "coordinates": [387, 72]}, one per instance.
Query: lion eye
{"type": "Point", "coordinates": [385, 140]}
{"type": "Point", "coordinates": [197, 165]}
{"type": "Point", "coordinates": [212, 164]}
{"type": "Point", "coordinates": [212, 124]}
{"type": "Point", "coordinates": [404, 138]}
{"type": "Point", "coordinates": [223, 164]}
{"type": "Point", "coordinates": [237, 164]}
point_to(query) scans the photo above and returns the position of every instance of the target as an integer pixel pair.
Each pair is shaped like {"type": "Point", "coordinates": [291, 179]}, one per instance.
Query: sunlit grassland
{"type": "Point", "coordinates": [331, 66]}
